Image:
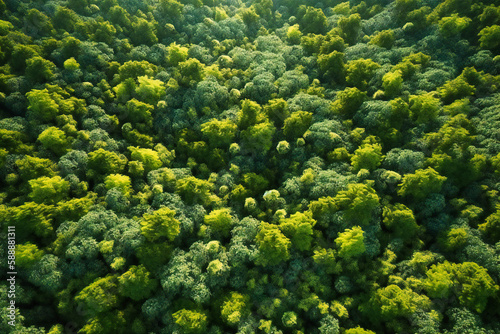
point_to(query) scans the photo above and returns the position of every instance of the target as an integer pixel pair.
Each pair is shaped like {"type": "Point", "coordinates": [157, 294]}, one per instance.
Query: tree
{"type": "Point", "coordinates": [143, 32]}
{"type": "Point", "coordinates": [220, 220]}
{"type": "Point", "coordinates": [489, 37]}
{"type": "Point", "coordinates": [191, 321]}
{"type": "Point", "coordinates": [160, 223]}
{"type": "Point", "coordinates": [273, 245]}
{"type": "Point", "coordinates": [258, 138]}
{"type": "Point", "coordinates": [468, 281]}
{"type": "Point", "coordinates": [100, 296]}
{"type": "Point", "coordinates": [313, 20]}
{"type": "Point", "coordinates": [351, 243]}
{"type": "Point", "coordinates": [491, 226]}
{"type": "Point", "coordinates": [192, 71]}
{"type": "Point", "coordinates": [333, 66]}
{"type": "Point", "coordinates": [121, 182]}
{"type": "Point", "coordinates": [384, 39]}
{"type": "Point", "coordinates": [139, 112]}
{"type": "Point", "coordinates": [424, 108]}
{"type": "Point", "coordinates": [359, 202]}
{"type": "Point", "coordinates": [348, 101]}
{"type": "Point", "coordinates": [55, 140]}
{"type": "Point", "coordinates": [71, 64]}
{"type": "Point", "coordinates": [33, 167]}
{"type": "Point", "coordinates": [392, 301]}
{"type": "Point", "coordinates": [40, 69]}
{"type": "Point", "coordinates": [176, 53]}
{"type": "Point", "coordinates": [171, 8]}
{"type": "Point", "coordinates": [420, 184]}
{"type": "Point", "coordinates": [46, 274]}
{"type": "Point", "coordinates": [450, 26]}
{"type": "Point", "coordinates": [133, 69]}
{"type": "Point", "coordinates": [250, 114]}
{"type": "Point", "coordinates": [235, 308]}
{"type": "Point", "coordinates": [299, 228]}
{"type": "Point", "coordinates": [294, 34]}
{"type": "Point", "coordinates": [136, 283]}
{"type": "Point", "coordinates": [400, 219]}
{"type": "Point", "coordinates": [367, 156]}
{"type": "Point", "coordinates": [149, 158]}
{"type": "Point", "coordinates": [42, 104]}
{"type": "Point", "coordinates": [219, 133]}
{"type": "Point", "coordinates": [29, 218]}
{"type": "Point", "coordinates": [195, 190]}
{"type": "Point", "coordinates": [392, 82]}
{"type": "Point", "coordinates": [359, 72]}
{"type": "Point", "coordinates": [350, 27]}
{"type": "Point", "coordinates": [297, 124]}
{"type": "Point", "coordinates": [358, 330]}
{"type": "Point", "coordinates": [49, 190]}
{"type": "Point", "coordinates": [150, 90]}
{"type": "Point", "coordinates": [104, 32]}
{"type": "Point", "coordinates": [106, 162]}
{"type": "Point", "coordinates": [27, 255]}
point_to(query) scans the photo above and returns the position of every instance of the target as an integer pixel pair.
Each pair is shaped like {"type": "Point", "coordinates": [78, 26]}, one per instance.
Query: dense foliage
{"type": "Point", "coordinates": [267, 166]}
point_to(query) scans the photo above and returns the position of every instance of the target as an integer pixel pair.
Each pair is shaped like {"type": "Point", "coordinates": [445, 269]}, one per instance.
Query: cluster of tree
{"type": "Point", "coordinates": [269, 166]}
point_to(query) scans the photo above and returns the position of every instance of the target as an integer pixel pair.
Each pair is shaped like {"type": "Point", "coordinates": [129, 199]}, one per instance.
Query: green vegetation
{"type": "Point", "coordinates": [266, 166]}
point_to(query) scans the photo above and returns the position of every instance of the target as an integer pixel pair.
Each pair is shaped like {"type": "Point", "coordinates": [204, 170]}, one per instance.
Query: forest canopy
{"type": "Point", "coordinates": [266, 166]}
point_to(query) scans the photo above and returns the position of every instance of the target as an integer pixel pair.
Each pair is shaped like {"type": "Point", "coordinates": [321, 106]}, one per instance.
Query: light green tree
{"type": "Point", "coordinates": [176, 54]}
{"type": "Point", "coordinates": [358, 330]}
{"type": "Point", "coordinates": [192, 71]}
{"type": "Point", "coordinates": [491, 226]}
{"type": "Point", "coordinates": [191, 322]}
{"type": "Point", "coordinates": [195, 190]}
{"type": "Point", "coordinates": [136, 283]}
{"type": "Point", "coordinates": [360, 71]}
{"type": "Point", "coordinates": [122, 182]}
{"type": "Point", "coordinates": [106, 162]}
{"type": "Point", "coordinates": [422, 183]}
{"type": "Point", "coordinates": [149, 158]}
{"type": "Point", "coordinates": [55, 140]}
{"type": "Point", "coordinates": [384, 38]}
{"type": "Point", "coordinates": [150, 90]}
{"type": "Point", "coordinates": [450, 26]}
{"type": "Point", "coordinates": [71, 64]}
{"type": "Point", "coordinates": [274, 246]}
{"type": "Point", "coordinates": [468, 281]}
{"type": "Point", "coordinates": [392, 83]}
{"type": "Point", "coordinates": [250, 114]}
{"type": "Point", "coordinates": [139, 112]}
{"type": "Point", "coordinates": [351, 243]}
{"type": "Point", "coordinates": [424, 107]}
{"type": "Point", "coordinates": [392, 301]}
{"type": "Point", "coordinates": [368, 156]}
{"type": "Point", "coordinates": [40, 69]}
{"type": "Point", "coordinates": [42, 105]}
{"type": "Point", "coordinates": [235, 307]}
{"type": "Point", "coordinates": [299, 228]}
{"type": "Point", "coordinates": [220, 220]}
{"type": "Point", "coordinates": [258, 138]}
{"type": "Point", "coordinates": [348, 101]}
{"type": "Point", "coordinates": [489, 37]}
{"type": "Point", "coordinates": [49, 190]}
{"type": "Point", "coordinates": [33, 167]}
{"type": "Point", "coordinates": [160, 223]}
{"type": "Point", "coordinates": [400, 219]}
{"type": "Point", "coordinates": [219, 133]}
{"type": "Point", "coordinates": [27, 254]}
{"type": "Point", "coordinates": [100, 296]}
{"type": "Point", "coordinates": [297, 124]}
{"type": "Point", "coordinates": [358, 202]}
